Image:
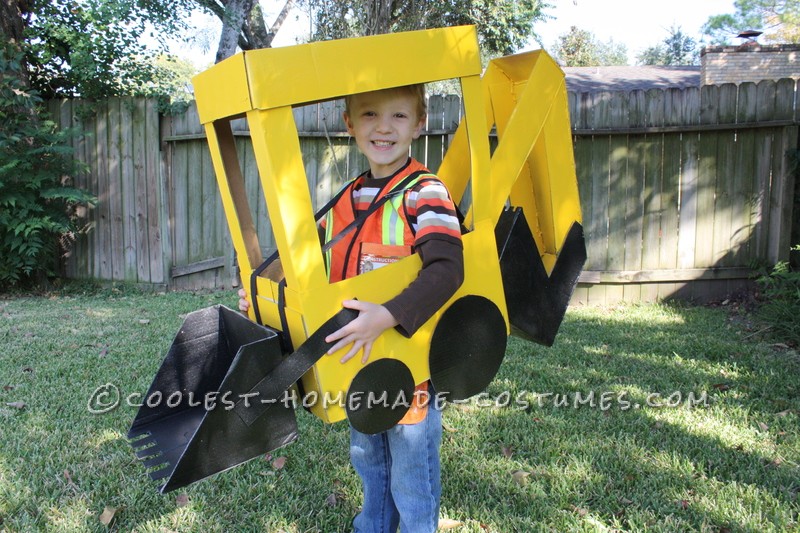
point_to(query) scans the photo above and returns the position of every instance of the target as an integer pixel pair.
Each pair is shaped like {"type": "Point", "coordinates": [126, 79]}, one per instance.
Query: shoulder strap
{"type": "Point", "coordinates": [328, 206]}
{"type": "Point", "coordinates": [399, 188]}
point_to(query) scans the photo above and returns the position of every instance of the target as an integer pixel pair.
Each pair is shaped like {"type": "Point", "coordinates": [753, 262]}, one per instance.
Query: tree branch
{"type": "Point", "coordinates": [280, 20]}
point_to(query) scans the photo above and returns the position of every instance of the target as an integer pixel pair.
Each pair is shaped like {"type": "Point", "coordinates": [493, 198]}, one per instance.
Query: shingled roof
{"type": "Point", "coordinates": [626, 78]}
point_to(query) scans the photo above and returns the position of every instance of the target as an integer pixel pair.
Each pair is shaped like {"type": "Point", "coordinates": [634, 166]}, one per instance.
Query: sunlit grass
{"type": "Point", "coordinates": [556, 442]}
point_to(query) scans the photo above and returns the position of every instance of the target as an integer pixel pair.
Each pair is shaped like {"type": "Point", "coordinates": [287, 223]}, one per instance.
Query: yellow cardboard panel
{"type": "Point", "coordinates": [222, 91]}
{"type": "Point", "coordinates": [481, 277]}
{"type": "Point", "coordinates": [332, 69]}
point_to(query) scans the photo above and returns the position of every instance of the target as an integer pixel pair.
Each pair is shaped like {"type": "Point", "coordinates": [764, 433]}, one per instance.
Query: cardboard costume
{"type": "Point", "coordinates": [523, 251]}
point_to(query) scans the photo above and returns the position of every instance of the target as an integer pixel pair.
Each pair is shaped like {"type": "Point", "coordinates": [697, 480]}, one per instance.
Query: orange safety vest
{"type": "Point", "coordinates": [387, 227]}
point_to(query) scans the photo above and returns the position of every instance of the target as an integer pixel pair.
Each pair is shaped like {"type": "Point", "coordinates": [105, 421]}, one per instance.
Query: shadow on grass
{"type": "Point", "coordinates": [719, 451]}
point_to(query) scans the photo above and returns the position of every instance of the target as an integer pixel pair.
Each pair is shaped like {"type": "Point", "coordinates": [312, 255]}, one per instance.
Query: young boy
{"type": "Point", "coordinates": [399, 468]}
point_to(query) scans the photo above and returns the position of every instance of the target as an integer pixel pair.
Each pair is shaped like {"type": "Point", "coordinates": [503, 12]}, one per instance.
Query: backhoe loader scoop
{"type": "Point", "coordinates": [536, 301]}
{"type": "Point", "coordinates": [184, 426]}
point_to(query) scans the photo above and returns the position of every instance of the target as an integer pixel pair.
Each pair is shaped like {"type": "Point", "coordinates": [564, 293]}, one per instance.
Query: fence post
{"type": "Point", "coordinates": [165, 207]}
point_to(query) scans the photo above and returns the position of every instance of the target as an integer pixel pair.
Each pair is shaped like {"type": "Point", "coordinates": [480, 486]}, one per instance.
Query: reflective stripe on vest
{"type": "Point", "coordinates": [392, 221]}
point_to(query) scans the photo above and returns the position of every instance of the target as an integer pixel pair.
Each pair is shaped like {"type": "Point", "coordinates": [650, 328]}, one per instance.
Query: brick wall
{"type": "Point", "coordinates": [749, 62]}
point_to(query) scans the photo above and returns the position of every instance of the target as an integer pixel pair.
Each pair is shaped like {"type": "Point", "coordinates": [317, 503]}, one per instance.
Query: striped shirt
{"type": "Point", "coordinates": [428, 208]}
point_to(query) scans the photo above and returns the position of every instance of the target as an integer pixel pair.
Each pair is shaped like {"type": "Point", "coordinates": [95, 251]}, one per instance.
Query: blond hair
{"type": "Point", "coordinates": [416, 90]}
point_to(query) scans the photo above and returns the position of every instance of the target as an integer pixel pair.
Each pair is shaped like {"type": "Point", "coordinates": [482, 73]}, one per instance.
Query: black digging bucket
{"type": "Point", "coordinates": [184, 430]}
{"type": "Point", "coordinates": [536, 302]}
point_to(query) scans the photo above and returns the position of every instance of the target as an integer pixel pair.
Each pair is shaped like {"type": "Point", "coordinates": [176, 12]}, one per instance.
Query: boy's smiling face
{"type": "Point", "coordinates": [383, 124]}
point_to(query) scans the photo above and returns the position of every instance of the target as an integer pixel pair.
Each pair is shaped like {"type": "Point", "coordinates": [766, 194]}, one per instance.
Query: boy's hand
{"type": "Point", "coordinates": [372, 320]}
{"type": "Point", "coordinates": [244, 305]}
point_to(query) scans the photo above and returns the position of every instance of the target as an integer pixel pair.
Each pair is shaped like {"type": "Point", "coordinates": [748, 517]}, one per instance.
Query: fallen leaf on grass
{"type": "Point", "coordinates": [16, 405]}
{"type": "Point", "coordinates": [446, 523]}
{"type": "Point", "coordinates": [331, 500]}
{"type": "Point", "coordinates": [107, 515]}
{"type": "Point", "coordinates": [721, 386]}
{"type": "Point", "coordinates": [683, 504]}
{"type": "Point", "coordinates": [763, 426]}
{"type": "Point", "coordinates": [7, 388]}
{"type": "Point", "coordinates": [182, 500]}
{"type": "Point", "coordinates": [580, 511]}
{"type": "Point", "coordinates": [520, 477]}
{"type": "Point", "coordinates": [104, 351]}
{"type": "Point", "coordinates": [507, 451]}
{"type": "Point", "coordinates": [70, 483]}
{"type": "Point", "coordinates": [279, 463]}
{"type": "Point", "coordinates": [782, 413]}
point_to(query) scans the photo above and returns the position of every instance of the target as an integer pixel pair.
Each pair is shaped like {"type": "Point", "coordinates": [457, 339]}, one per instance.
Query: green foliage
{"type": "Point", "coordinates": [37, 204]}
{"type": "Point", "coordinates": [778, 19]}
{"type": "Point", "coordinates": [503, 26]}
{"type": "Point", "coordinates": [95, 49]}
{"type": "Point", "coordinates": [580, 48]}
{"type": "Point", "coordinates": [676, 49]}
{"type": "Point", "coordinates": [781, 304]}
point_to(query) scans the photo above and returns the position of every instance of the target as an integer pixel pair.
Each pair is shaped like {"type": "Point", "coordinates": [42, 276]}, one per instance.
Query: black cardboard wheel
{"type": "Point", "coordinates": [467, 347]}
{"type": "Point", "coordinates": [379, 396]}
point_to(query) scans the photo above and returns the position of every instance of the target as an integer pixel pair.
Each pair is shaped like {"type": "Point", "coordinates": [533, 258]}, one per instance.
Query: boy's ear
{"type": "Point", "coordinates": [347, 122]}
{"type": "Point", "coordinates": [419, 128]}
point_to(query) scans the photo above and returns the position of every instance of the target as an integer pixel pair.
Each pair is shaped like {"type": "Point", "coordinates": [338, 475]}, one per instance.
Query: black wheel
{"type": "Point", "coordinates": [379, 396]}
{"type": "Point", "coordinates": [467, 347]}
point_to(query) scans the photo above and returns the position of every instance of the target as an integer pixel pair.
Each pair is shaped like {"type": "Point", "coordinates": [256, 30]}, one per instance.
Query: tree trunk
{"type": "Point", "coordinates": [232, 22]}
{"type": "Point", "coordinates": [12, 21]}
{"type": "Point", "coordinates": [255, 30]}
{"type": "Point", "coordinates": [379, 17]}
{"type": "Point", "coordinates": [12, 25]}
{"type": "Point", "coordinates": [243, 25]}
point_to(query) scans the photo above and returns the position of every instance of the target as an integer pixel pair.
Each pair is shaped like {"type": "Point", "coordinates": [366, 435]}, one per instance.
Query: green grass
{"type": "Point", "coordinates": [539, 463]}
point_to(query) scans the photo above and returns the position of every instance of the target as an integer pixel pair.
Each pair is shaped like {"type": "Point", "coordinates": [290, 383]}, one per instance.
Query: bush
{"type": "Point", "coordinates": [781, 306]}
{"type": "Point", "coordinates": [37, 205]}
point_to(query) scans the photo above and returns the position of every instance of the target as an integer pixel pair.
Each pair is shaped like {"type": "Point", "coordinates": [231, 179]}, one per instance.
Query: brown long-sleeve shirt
{"type": "Point", "coordinates": [433, 214]}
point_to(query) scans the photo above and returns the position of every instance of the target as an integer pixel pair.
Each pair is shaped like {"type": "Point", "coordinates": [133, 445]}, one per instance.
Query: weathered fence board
{"type": "Point", "coordinates": [120, 146]}
{"type": "Point", "coordinates": [681, 189]}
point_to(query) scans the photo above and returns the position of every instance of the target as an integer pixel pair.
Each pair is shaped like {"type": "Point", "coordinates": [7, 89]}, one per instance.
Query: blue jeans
{"type": "Point", "coordinates": [399, 470]}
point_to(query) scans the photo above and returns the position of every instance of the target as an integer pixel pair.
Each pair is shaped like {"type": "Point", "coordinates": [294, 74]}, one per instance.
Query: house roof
{"type": "Point", "coordinates": [626, 78]}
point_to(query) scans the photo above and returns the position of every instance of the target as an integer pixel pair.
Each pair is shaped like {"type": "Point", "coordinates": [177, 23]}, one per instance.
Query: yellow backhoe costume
{"type": "Point", "coordinates": [523, 251]}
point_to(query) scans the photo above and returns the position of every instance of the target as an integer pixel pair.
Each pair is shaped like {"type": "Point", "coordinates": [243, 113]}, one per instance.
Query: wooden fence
{"type": "Point", "coordinates": [682, 190]}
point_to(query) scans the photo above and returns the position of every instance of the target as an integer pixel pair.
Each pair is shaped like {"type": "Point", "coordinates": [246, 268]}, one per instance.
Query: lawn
{"type": "Point", "coordinates": [639, 418]}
